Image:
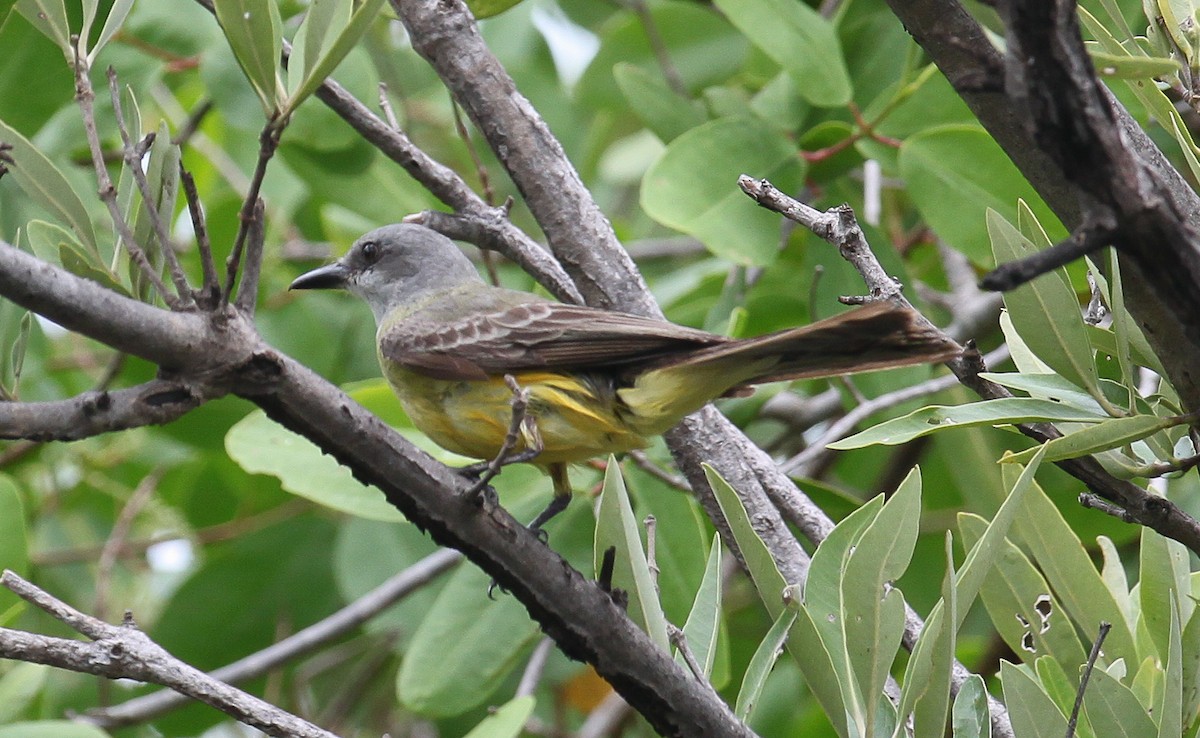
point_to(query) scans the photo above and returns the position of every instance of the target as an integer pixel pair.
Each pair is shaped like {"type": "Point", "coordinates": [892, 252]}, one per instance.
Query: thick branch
{"type": "Point", "coordinates": [92, 413]}
{"type": "Point", "coordinates": [581, 618]}
{"type": "Point", "coordinates": [1161, 265]}
{"type": "Point", "coordinates": [124, 652]}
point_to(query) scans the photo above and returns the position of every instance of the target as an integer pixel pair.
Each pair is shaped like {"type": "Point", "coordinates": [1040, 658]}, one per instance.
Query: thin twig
{"type": "Point", "coordinates": [141, 709]}
{"type": "Point", "coordinates": [210, 291]}
{"type": "Point", "coordinates": [248, 288]}
{"type": "Point", "coordinates": [643, 462]}
{"type": "Point", "coordinates": [124, 652]}
{"type": "Point", "coordinates": [1085, 676]}
{"type": "Point", "coordinates": [651, 523]}
{"type": "Point", "coordinates": [192, 124]}
{"type": "Point", "coordinates": [85, 97]}
{"type": "Point", "coordinates": [133, 163]}
{"type": "Point", "coordinates": [842, 427]}
{"type": "Point", "coordinates": [659, 46]}
{"type": "Point", "coordinates": [535, 668]}
{"type": "Point", "coordinates": [111, 550]}
{"type": "Point", "coordinates": [268, 143]}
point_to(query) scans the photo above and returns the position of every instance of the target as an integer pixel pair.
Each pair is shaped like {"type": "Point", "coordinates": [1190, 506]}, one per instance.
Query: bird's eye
{"type": "Point", "coordinates": [370, 251]}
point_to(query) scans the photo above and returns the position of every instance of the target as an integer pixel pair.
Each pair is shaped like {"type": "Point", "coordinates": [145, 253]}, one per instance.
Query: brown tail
{"type": "Point", "coordinates": [876, 336]}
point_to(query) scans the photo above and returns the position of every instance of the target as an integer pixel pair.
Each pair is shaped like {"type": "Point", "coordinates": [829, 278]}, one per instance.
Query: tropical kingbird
{"type": "Point", "coordinates": [597, 381]}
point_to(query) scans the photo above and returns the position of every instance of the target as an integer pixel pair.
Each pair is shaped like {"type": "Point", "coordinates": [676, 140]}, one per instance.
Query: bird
{"type": "Point", "coordinates": [455, 349]}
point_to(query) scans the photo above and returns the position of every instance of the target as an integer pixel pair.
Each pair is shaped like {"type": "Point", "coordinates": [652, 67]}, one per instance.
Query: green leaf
{"type": "Point", "coordinates": [873, 609]}
{"type": "Point", "coordinates": [704, 621]}
{"type": "Point", "coordinates": [1113, 706]}
{"type": "Point", "coordinates": [971, 717]}
{"type": "Point", "coordinates": [255, 31]}
{"type": "Point", "coordinates": [320, 57]}
{"type": "Point", "coordinates": [616, 527]}
{"type": "Point", "coordinates": [507, 721]}
{"type": "Point", "coordinates": [42, 181]}
{"type": "Point", "coordinates": [1124, 66]}
{"type": "Point", "coordinates": [801, 41]}
{"type": "Point", "coordinates": [20, 345]}
{"type": "Point", "coordinates": [116, 18]}
{"type": "Point", "coordinates": [464, 648]}
{"type": "Point", "coordinates": [955, 174]}
{"type": "Point", "coordinates": [767, 579]}
{"type": "Point", "coordinates": [489, 8]}
{"type": "Point", "coordinates": [1169, 710]}
{"type": "Point", "coordinates": [1163, 565]}
{"type": "Point", "coordinates": [261, 446]}
{"type": "Point", "coordinates": [19, 689]}
{"type": "Point", "coordinates": [1012, 596]}
{"type": "Point", "coordinates": [1045, 312]}
{"type": "Point", "coordinates": [51, 729]}
{"type": "Point", "coordinates": [1066, 565]}
{"type": "Point", "coordinates": [14, 548]}
{"type": "Point", "coordinates": [934, 657]}
{"type": "Point", "coordinates": [1004, 411]}
{"type": "Point", "coordinates": [49, 17]}
{"type": "Point", "coordinates": [693, 186]}
{"type": "Point", "coordinates": [761, 664]}
{"type": "Point", "coordinates": [1033, 713]}
{"type": "Point", "coordinates": [666, 113]}
{"type": "Point", "coordinates": [982, 556]}
{"type": "Point", "coordinates": [1102, 436]}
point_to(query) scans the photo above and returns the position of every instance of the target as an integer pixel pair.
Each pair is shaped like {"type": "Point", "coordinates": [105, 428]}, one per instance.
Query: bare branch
{"type": "Point", "coordinates": [151, 201]}
{"type": "Point", "coordinates": [92, 413]}
{"type": "Point", "coordinates": [315, 636]}
{"type": "Point", "coordinates": [85, 96]}
{"type": "Point", "coordinates": [124, 652]}
{"type": "Point", "coordinates": [268, 142]}
{"type": "Point", "coordinates": [248, 288]}
{"type": "Point", "coordinates": [210, 292]}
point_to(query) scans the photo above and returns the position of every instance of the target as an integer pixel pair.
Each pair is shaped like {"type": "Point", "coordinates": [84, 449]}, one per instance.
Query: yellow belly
{"type": "Point", "coordinates": [471, 418]}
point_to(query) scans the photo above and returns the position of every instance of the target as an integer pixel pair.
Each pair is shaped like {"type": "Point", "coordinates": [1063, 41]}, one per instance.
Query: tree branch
{"type": "Point", "coordinates": [224, 349]}
{"type": "Point", "coordinates": [399, 586]}
{"type": "Point", "coordinates": [124, 652]}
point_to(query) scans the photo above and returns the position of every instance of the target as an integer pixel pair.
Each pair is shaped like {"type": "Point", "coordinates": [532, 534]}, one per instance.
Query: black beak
{"type": "Point", "coordinates": [329, 277]}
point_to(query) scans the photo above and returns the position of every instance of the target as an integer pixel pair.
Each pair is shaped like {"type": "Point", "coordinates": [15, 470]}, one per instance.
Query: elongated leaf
{"type": "Point", "coordinates": [616, 527]}
{"type": "Point", "coordinates": [873, 609]}
{"type": "Point", "coordinates": [1112, 705]}
{"type": "Point", "coordinates": [1033, 713]}
{"type": "Point", "coordinates": [49, 17]}
{"type": "Point", "coordinates": [116, 18]}
{"type": "Point", "coordinates": [1163, 565]}
{"type": "Point", "coordinates": [1066, 565]}
{"type": "Point", "coordinates": [932, 704]}
{"type": "Point", "coordinates": [464, 648]}
{"type": "Point", "coordinates": [666, 113]}
{"type": "Point", "coordinates": [693, 186]}
{"type": "Point", "coordinates": [261, 446]}
{"type": "Point", "coordinates": [255, 31]}
{"type": "Point", "coordinates": [41, 180]}
{"type": "Point", "coordinates": [507, 721]}
{"type": "Point", "coordinates": [1004, 411]}
{"type": "Point", "coordinates": [983, 554]}
{"type": "Point", "coordinates": [14, 553]}
{"type": "Point", "coordinates": [971, 717]}
{"type": "Point", "coordinates": [767, 579]}
{"type": "Point", "coordinates": [1118, 66]}
{"type": "Point", "coordinates": [19, 687]}
{"type": "Point", "coordinates": [1102, 436]}
{"type": "Point", "coordinates": [1169, 710]}
{"type": "Point", "coordinates": [1045, 312]}
{"type": "Point", "coordinates": [800, 40]}
{"type": "Point", "coordinates": [704, 621]}
{"type": "Point", "coordinates": [1012, 596]}
{"type": "Point", "coordinates": [321, 56]}
{"type": "Point", "coordinates": [1046, 386]}
{"type": "Point", "coordinates": [761, 664]}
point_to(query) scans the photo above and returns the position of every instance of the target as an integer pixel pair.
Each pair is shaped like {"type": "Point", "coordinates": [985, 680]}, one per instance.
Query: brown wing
{"type": "Point", "coordinates": [537, 335]}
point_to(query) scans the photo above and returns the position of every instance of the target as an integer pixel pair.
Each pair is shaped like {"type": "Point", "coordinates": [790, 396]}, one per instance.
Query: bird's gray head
{"type": "Point", "coordinates": [394, 265]}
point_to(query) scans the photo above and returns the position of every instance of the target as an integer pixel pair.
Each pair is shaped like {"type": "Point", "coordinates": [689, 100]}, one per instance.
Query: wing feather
{"type": "Point", "coordinates": [536, 335]}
